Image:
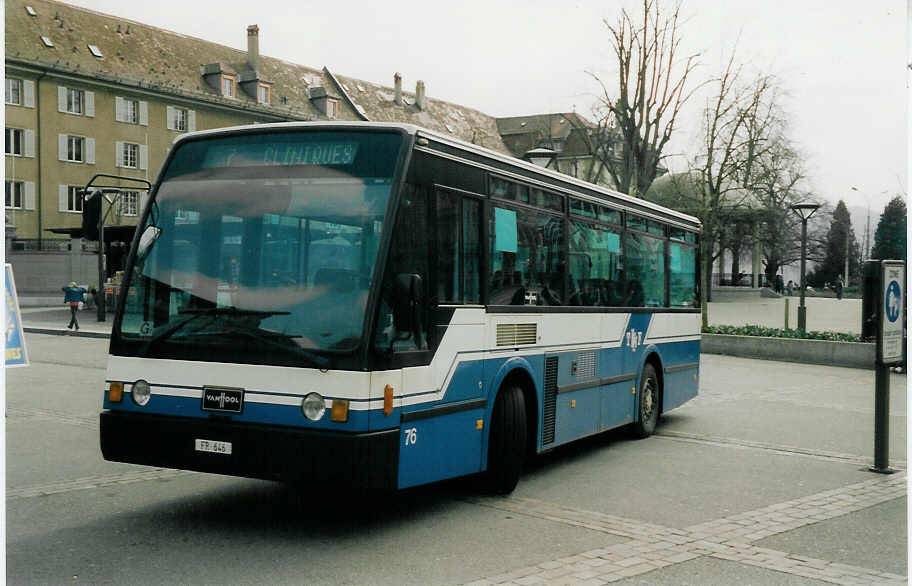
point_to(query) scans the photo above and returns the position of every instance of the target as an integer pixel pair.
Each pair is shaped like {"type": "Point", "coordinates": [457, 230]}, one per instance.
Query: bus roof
{"type": "Point", "coordinates": [601, 193]}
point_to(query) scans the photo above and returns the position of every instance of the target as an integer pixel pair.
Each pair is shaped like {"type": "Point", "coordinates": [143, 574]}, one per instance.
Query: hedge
{"type": "Point", "coordinates": [751, 330]}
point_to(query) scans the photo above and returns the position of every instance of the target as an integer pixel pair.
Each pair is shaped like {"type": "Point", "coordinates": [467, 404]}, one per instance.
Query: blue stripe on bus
{"type": "Point", "coordinates": [455, 443]}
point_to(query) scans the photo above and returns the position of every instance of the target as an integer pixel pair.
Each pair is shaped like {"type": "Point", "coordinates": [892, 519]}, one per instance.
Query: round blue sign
{"type": "Point", "coordinates": [893, 301]}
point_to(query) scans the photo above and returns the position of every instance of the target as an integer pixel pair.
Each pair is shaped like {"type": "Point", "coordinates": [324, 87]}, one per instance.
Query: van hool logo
{"type": "Point", "coordinates": [215, 399]}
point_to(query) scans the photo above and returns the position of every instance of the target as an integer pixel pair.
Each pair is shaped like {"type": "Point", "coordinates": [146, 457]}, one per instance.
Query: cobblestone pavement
{"type": "Point", "coordinates": [653, 546]}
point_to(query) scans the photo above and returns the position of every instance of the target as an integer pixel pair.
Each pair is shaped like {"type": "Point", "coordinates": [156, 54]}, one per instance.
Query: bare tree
{"type": "Point", "coordinates": [776, 181]}
{"type": "Point", "coordinates": [651, 89]}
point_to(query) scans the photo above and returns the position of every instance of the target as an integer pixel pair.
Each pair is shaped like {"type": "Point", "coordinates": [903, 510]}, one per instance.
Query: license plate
{"type": "Point", "coordinates": [213, 447]}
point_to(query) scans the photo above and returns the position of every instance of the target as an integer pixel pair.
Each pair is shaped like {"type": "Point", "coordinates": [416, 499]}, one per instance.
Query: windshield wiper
{"type": "Point", "coordinates": [194, 313]}
{"type": "Point", "coordinates": [272, 339]}
{"type": "Point", "coordinates": [229, 311]}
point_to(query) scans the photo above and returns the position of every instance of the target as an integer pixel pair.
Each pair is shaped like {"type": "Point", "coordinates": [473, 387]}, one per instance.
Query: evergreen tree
{"type": "Point", "coordinates": [834, 250]}
{"type": "Point", "coordinates": [890, 237]}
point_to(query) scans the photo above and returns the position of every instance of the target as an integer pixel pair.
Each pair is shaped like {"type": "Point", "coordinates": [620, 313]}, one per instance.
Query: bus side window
{"type": "Point", "coordinates": [595, 265]}
{"type": "Point", "coordinates": [645, 262]}
{"type": "Point", "coordinates": [408, 255]}
{"type": "Point", "coordinates": [458, 249]}
{"type": "Point", "coordinates": [526, 259]}
{"type": "Point", "coordinates": [683, 268]}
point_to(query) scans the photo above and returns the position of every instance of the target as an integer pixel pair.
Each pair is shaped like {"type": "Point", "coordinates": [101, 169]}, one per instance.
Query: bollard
{"type": "Point", "coordinates": [786, 313]}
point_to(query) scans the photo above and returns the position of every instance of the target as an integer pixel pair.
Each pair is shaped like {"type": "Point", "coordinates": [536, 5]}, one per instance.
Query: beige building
{"type": "Point", "coordinates": [90, 93]}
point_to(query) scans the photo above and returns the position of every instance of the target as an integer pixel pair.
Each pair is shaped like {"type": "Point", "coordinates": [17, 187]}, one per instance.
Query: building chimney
{"type": "Point", "coordinates": [253, 46]}
{"type": "Point", "coordinates": [419, 95]}
{"type": "Point", "coordinates": [397, 83]}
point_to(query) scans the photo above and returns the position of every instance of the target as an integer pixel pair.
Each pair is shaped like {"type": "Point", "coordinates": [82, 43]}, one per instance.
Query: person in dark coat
{"type": "Point", "coordinates": [73, 295]}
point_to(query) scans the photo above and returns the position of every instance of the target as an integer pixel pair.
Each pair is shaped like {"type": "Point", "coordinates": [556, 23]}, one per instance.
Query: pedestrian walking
{"type": "Point", "coordinates": [839, 286]}
{"type": "Point", "coordinates": [779, 286]}
{"type": "Point", "coordinates": [73, 295]}
{"type": "Point", "coordinates": [789, 286]}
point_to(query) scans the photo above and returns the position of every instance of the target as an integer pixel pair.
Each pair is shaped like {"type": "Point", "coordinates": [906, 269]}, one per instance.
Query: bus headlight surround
{"type": "Point", "coordinates": [141, 392]}
{"type": "Point", "coordinates": [313, 406]}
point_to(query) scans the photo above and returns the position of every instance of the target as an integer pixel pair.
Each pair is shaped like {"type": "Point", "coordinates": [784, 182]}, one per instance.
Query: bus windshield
{"type": "Point", "coordinates": [263, 248]}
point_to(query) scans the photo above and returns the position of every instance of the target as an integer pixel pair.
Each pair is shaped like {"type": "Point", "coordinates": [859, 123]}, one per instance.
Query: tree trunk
{"type": "Point", "coordinates": [706, 285]}
{"type": "Point", "coordinates": [736, 265]}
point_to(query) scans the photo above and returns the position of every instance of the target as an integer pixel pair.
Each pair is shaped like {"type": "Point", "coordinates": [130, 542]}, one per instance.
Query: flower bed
{"type": "Point", "coordinates": [828, 348]}
{"type": "Point", "coordinates": [766, 332]}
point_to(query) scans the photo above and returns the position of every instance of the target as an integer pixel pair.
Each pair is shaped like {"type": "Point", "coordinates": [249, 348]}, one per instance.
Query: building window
{"type": "Point", "coordinates": [227, 87]}
{"type": "Point", "coordinates": [75, 149]}
{"type": "Point", "coordinates": [179, 119]}
{"type": "Point", "coordinates": [14, 92]}
{"type": "Point", "coordinates": [74, 198]}
{"type": "Point", "coordinates": [129, 155]}
{"type": "Point", "coordinates": [129, 203]}
{"type": "Point", "coordinates": [14, 141]}
{"type": "Point", "coordinates": [14, 194]}
{"type": "Point", "coordinates": [131, 111]}
{"type": "Point", "coordinates": [330, 109]}
{"type": "Point", "coordinates": [263, 94]}
{"type": "Point", "coordinates": [75, 100]}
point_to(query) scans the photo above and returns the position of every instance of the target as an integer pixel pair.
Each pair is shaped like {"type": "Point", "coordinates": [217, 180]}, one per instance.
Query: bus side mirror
{"type": "Point", "coordinates": [146, 240]}
{"type": "Point", "coordinates": [407, 305]}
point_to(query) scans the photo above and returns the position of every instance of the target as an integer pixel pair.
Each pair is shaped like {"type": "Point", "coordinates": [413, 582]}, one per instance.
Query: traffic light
{"type": "Point", "coordinates": [91, 213]}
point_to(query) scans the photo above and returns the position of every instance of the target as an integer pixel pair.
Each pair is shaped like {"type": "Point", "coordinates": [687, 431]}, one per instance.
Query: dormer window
{"type": "Point", "coordinates": [227, 86]}
{"type": "Point", "coordinates": [263, 94]}
{"type": "Point", "coordinates": [331, 108]}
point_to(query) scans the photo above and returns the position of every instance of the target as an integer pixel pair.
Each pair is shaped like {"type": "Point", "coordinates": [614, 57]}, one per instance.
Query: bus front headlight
{"type": "Point", "coordinates": [141, 392]}
{"type": "Point", "coordinates": [313, 406]}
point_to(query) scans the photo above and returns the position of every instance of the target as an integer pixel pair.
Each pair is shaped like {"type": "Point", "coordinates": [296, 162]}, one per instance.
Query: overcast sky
{"type": "Point", "coordinates": [843, 66]}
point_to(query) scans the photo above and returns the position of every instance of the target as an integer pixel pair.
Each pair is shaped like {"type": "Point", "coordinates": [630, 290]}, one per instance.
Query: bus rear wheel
{"type": "Point", "coordinates": [648, 405]}
{"type": "Point", "coordinates": [507, 444]}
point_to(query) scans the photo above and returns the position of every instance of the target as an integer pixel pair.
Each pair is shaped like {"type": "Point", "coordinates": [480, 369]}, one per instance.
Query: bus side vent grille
{"type": "Point", "coordinates": [550, 407]}
{"type": "Point", "coordinates": [516, 334]}
{"type": "Point", "coordinates": [585, 365]}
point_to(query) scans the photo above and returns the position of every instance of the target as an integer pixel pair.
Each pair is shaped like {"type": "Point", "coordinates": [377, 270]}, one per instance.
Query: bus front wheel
{"type": "Point", "coordinates": [507, 444]}
{"type": "Point", "coordinates": [648, 409]}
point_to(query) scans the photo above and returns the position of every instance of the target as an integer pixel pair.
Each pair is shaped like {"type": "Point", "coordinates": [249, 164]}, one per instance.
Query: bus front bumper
{"type": "Point", "coordinates": [368, 460]}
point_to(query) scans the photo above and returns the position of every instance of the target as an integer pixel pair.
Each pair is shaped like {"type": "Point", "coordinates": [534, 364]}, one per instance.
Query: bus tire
{"type": "Point", "coordinates": [648, 404]}
{"type": "Point", "coordinates": [507, 443]}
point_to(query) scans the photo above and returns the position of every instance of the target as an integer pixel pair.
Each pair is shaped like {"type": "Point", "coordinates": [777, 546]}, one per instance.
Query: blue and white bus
{"type": "Point", "coordinates": [384, 306]}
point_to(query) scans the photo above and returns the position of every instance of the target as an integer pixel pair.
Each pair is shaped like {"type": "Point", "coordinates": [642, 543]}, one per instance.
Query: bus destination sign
{"type": "Point", "coordinates": [278, 154]}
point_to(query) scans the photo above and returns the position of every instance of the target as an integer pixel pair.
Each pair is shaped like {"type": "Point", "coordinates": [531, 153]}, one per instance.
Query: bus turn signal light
{"type": "Point", "coordinates": [115, 393]}
{"type": "Point", "coordinates": [339, 410]}
{"type": "Point", "coordinates": [387, 400]}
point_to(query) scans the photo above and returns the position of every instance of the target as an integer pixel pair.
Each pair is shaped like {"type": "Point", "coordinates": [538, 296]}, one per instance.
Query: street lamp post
{"type": "Point", "coordinates": [540, 156]}
{"type": "Point", "coordinates": [848, 233]}
{"type": "Point", "coordinates": [804, 211]}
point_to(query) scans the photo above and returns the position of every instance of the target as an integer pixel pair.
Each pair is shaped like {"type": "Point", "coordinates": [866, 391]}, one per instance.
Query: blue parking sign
{"type": "Point", "coordinates": [890, 346]}
{"type": "Point", "coordinates": [14, 339]}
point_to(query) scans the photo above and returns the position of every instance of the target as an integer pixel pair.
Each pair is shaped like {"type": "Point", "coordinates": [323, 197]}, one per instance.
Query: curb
{"type": "Point", "coordinates": [848, 354]}
{"type": "Point", "coordinates": [59, 332]}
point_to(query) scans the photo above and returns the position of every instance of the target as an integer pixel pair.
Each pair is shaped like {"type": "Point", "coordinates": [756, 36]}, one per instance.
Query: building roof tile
{"type": "Point", "coordinates": [143, 56]}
